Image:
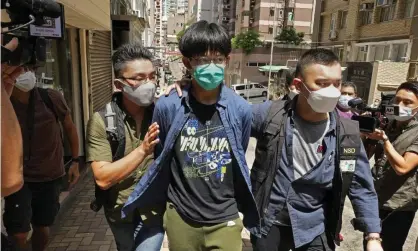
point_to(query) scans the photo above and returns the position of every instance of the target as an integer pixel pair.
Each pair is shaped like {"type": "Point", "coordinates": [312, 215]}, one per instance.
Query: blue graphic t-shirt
{"type": "Point", "coordinates": [202, 183]}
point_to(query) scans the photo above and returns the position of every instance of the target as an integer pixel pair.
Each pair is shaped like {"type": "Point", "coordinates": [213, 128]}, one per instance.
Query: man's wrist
{"type": "Point", "coordinates": [373, 237]}
{"type": "Point", "coordinates": [75, 159]}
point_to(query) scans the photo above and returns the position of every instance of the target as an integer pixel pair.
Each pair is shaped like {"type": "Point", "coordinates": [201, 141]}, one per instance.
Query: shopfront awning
{"type": "Point", "coordinates": [274, 68]}
{"type": "Point", "coordinates": [133, 18]}
{"type": "Point", "coordinates": [87, 14]}
{"type": "Point", "coordinates": [387, 87]}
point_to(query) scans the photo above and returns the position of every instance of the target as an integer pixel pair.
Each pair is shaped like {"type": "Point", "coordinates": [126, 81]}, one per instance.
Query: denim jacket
{"type": "Point", "coordinates": [171, 113]}
{"type": "Point", "coordinates": [305, 197]}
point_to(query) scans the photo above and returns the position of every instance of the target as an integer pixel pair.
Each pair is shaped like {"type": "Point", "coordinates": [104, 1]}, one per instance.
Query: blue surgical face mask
{"type": "Point", "coordinates": [343, 101]}
{"type": "Point", "coordinates": [405, 113]}
{"type": "Point", "coordinates": [209, 76]}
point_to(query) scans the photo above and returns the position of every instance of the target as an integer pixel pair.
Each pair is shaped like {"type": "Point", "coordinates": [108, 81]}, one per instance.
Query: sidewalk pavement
{"type": "Point", "coordinates": [79, 228]}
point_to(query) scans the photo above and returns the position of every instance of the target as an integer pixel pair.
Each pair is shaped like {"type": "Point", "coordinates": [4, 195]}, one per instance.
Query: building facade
{"type": "Point", "coordinates": [149, 32]}
{"type": "Point", "coordinates": [259, 15]}
{"type": "Point", "coordinates": [226, 14]}
{"type": "Point", "coordinates": [129, 21]}
{"type": "Point", "coordinates": [245, 68]}
{"type": "Point", "coordinates": [372, 31]}
{"type": "Point", "coordinates": [205, 11]}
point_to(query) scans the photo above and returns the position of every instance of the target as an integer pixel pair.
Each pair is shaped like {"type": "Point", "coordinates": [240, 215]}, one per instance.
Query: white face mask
{"type": "Point", "coordinates": [343, 101]}
{"type": "Point", "coordinates": [292, 94]}
{"type": "Point", "coordinates": [26, 81]}
{"type": "Point", "coordinates": [142, 95]}
{"type": "Point", "coordinates": [323, 100]}
{"type": "Point", "coordinates": [405, 113]}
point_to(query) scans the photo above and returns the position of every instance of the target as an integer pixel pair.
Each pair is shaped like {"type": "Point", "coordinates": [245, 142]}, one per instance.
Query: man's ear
{"type": "Point", "coordinates": [186, 63]}
{"type": "Point", "coordinates": [297, 83]}
{"type": "Point", "coordinates": [118, 84]}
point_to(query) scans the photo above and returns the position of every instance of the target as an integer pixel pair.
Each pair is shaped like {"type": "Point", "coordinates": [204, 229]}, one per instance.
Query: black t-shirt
{"type": "Point", "coordinates": [202, 184]}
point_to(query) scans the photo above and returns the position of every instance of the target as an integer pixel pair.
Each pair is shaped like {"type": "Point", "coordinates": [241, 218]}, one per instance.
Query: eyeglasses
{"type": "Point", "coordinates": [208, 60]}
{"type": "Point", "coordinates": [139, 81]}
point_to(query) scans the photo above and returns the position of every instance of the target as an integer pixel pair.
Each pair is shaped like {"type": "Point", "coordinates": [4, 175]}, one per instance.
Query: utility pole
{"type": "Point", "coordinates": [272, 47]}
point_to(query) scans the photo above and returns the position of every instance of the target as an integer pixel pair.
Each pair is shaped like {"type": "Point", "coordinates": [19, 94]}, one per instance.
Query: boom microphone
{"type": "Point", "coordinates": [355, 102]}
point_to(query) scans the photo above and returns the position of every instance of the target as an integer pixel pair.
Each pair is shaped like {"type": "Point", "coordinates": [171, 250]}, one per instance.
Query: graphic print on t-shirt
{"type": "Point", "coordinates": [202, 176]}
{"type": "Point", "coordinates": [205, 149]}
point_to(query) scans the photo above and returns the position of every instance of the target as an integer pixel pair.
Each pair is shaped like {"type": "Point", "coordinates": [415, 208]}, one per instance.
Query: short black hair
{"type": "Point", "coordinates": [349, 84]}
{"type": "Point", "coordinates": [411, 86]}
{"type": "Point", "coordinates": [127, 53]}
{"type": "Point", "coordinates": [315, 56]}
{"type": "Point", "coordinates": [202, 37]}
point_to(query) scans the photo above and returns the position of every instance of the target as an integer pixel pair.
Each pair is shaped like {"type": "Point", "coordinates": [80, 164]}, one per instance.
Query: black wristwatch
{"type": "Point", "coordinates": [77, 160]}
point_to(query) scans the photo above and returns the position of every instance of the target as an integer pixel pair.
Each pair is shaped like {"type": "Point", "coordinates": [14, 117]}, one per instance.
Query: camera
{"type": "Point", "coordinates": [25, 16]}
{"type": "Point", "coordinates": [377, 117]}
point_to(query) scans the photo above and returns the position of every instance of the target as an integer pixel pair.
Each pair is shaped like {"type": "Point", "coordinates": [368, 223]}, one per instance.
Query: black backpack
{"type": "Point", "coordinates": [269, 148]}
{"type": "Point", "coordinates": [113, 118]}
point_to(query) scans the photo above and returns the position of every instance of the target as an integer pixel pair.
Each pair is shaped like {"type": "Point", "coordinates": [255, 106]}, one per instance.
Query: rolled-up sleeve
{"type": "Point", "coordinates": [259, 114]}
{"type": "Point", "coordinates": [363, 197]}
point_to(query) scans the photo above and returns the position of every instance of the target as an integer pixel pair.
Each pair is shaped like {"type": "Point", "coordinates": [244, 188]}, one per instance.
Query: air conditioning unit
{"type": "Point", "coordinates": [382, 2]}
{"type": "Point", "coordinates": [136, 13]}
{"type": "Point", "coordinates": [333, 34]}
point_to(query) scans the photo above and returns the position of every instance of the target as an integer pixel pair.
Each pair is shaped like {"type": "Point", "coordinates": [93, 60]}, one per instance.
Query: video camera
{"type": "Point", "coordinates": [377, 116]}
{"type": "Point", "coordinates": [31, 50]}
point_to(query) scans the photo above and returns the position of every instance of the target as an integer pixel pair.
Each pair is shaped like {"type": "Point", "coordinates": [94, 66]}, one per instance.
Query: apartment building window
{"type": "Point", "coordinates": [409, 8]}
{"type": "Point", "coordinates": [255, 64]}
{"type": "Point", "coordinates": [381, 52]}
{"type": "Point", "coordinates": [343, 23]}
{"type": "Point", "coordinates": [333, 22]}
{"type": "Point", "coordinates": [387, 12]}
{"type": "Point", "coordinates": [270, 30]}
{"type": "Point", "coordinates": [362, 53]}
{"type": "Point", "coordinates": [399, 52]}
{"type": "Point", "coordinates": [366, 13]}
{"type": "Point", "coordinates": [272, 12]}
{"type": "Point", "coordinates": [340, 53]}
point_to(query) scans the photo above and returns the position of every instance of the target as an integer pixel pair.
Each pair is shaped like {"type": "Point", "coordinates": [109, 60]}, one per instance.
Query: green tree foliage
{"type": "Point", "coordinates": [180, 35]}
{"type": "Point", "coordinates": [247, 41]}
{"type": "Point", "coordinates": [289, 36]}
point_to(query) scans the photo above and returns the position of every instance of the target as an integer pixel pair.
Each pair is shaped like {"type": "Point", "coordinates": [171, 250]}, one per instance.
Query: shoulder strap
{"type": "Point", "coordinates": [47, 101]}
{"type": "Point", "coordinates": [115, 129]}
{"type": "Point", "coordinates": [30, 122]}
{"type": "Point", "coordinates": [347, 129]}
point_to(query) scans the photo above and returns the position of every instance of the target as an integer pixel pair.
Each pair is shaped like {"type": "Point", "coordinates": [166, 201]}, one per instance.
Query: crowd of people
{"type": "Point", "coordinates": [177, 166]}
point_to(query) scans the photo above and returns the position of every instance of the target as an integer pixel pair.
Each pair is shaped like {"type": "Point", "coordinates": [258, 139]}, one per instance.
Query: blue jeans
{"type": "Point", "coordinates": [133, 236]}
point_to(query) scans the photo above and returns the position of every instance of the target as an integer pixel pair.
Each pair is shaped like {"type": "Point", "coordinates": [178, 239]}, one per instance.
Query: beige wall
{"type": "Point", "coordinates": [386, 74]}
{"type": "Point", "coordinates": [87, 14]}
{"type": "Point", "coordinates": [392, 28]}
